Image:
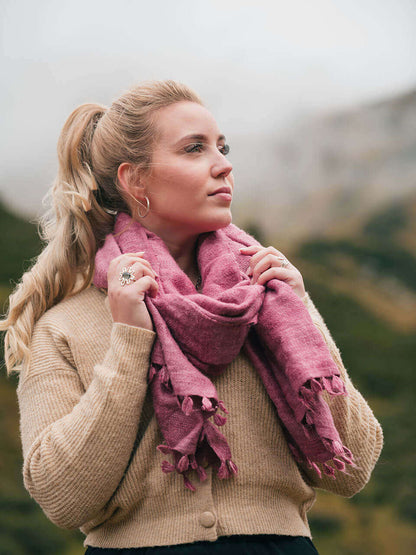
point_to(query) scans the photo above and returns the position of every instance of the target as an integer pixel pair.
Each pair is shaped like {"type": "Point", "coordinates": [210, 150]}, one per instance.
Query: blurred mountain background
{"type": "Point", "coordinates": [327, 174]}
{"type": "Point", "coordinates": [337, 194]}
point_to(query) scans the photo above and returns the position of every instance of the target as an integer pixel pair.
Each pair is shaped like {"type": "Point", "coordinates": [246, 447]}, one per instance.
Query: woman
{"type": "Point", "coordinates": [147, 314]}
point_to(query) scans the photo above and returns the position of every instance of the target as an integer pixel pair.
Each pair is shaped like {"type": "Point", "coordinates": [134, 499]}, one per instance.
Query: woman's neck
{"type": "Point", "coordinates": [182, 248]}
{"type": "Point", "coordinates": [185, 257]}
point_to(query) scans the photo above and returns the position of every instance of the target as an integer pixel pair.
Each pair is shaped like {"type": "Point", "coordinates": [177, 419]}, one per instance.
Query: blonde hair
{"type": "Point", "coordinates": [85, 196]}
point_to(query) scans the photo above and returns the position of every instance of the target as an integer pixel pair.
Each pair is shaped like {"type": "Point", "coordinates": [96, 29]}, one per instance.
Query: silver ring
{"type": "Point", "coordinates": [285, 262]}
{"type": "Point", "coordinates": [127, 276]}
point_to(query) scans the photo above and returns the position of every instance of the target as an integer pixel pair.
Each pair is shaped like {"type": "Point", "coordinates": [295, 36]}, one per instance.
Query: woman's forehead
{"type": "Point", "coordinates": [185, 118]}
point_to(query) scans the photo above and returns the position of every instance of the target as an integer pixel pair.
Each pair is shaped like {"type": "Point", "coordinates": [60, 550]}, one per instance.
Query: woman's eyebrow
{"type": "Point", "coordinates": [199, 137]}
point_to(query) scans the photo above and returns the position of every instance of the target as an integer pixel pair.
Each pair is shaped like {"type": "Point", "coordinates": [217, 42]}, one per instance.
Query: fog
{"type": "Point", "coordinates": [260, 66]}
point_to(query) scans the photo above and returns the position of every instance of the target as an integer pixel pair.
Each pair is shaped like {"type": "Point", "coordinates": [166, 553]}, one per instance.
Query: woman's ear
{"type": "Point", "coordinates": [129, 180]}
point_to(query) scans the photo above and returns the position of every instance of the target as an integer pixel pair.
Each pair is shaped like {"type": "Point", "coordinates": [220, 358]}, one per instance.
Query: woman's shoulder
{"type": "Point", "coordinates": [73, 325]}
{"type": "Point", "coordinates": [79, 311]}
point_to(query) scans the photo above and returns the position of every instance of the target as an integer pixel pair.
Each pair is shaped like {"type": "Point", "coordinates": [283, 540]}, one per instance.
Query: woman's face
{"type": "Point", "coordinates": [189, 166]}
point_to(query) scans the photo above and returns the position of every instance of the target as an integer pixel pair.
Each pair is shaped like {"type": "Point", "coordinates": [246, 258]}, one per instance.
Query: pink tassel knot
{"type": "Point", "coordinates": [188, 483]}
{"type": "Point", "coordinates": [187, 405]}
{"type": "Point", "coordinates": [206, 404]}
{"type": "Point", "coordinates": [167, 467]}
{"type": "Point", "coordinates": [219, 420]}
{"type": "Point", "coordinates": [183, 464]}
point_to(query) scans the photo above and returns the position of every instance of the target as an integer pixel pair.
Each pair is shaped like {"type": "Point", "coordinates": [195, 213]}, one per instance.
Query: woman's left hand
{"type": "Point", "coordinates": [268, 263]}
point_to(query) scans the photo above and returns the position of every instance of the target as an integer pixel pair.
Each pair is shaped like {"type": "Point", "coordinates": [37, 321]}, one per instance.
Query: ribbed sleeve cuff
{"type": "Point", "coordinates": [130, 351]}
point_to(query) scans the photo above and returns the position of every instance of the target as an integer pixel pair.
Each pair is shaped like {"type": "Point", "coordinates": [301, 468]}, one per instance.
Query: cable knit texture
{"type": "Point", "coordinates": [89, 437]}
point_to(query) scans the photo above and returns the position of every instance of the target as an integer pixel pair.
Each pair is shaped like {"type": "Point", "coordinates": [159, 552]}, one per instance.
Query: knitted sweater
{"type": "Point", "coordinates": [89, 439]}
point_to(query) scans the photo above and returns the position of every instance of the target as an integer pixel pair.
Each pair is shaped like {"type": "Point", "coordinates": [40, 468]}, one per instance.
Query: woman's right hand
{"type": "Point", "coordinates": [127, 302]}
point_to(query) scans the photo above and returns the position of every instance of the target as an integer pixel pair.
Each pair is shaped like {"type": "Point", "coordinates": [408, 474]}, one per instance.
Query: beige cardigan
{"type": "Point", "coordinates": [89, 440]}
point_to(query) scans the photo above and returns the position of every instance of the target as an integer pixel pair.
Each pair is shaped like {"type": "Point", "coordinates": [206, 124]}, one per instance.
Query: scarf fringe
{"type": "Point", "coordinates": [187, 462]}
{"type": "Point", "coordinates": [308, 393]}
{"type": "Point", "coordinates": [341, 456]}
{"type": "Point", "coordinates": [189, 403]}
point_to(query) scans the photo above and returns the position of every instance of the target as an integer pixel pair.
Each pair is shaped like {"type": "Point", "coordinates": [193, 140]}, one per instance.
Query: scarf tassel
{"type": "Point", "coordinates": [221, 406]}
{"type": "Point", "coordinates": [184, 465]}
{"type": "Point", "coordinates": [167, 467]}
{"type": "Point", "coordinates": [341, 452]}
{"type": "Point", "coordinates": [188, 483]}
{"type": "Point", "coordinates": [219, 419]}
{"type": "Point", "coordinates": [153, 370]}
{"type": "Point", "coordinates": [202, 475]}
{"type": "Point", "coordinates": [206, 405]}
{"type": "Point", "coordinates": [227, 469]}
{"type": "Point", "coordinates": [333, 385]}
{"type": "Point", "coordinates": [152, 373]}
{"type": "Point", "coordinates": [340, 465]}
{"type": "Point", "coordinates": [187, 405]}
{"type": "Point", "coordinates": [349, 460]}
{"type": "Point", "coordinates": [315, 467]}
{"type": "Point", "coordinates": [329, 471]}
{"type": "Point", "coordinates": [165, 379]}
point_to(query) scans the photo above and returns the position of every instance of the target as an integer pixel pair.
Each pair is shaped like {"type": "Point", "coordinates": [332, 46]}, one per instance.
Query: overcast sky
{"type": "Point", "coordinates": [258, 64]}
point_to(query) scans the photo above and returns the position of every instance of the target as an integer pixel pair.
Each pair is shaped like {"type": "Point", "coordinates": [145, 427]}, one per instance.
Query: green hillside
{"type": "Point", "coordinates": [19, 243]}
{"type": "Point", "coordinates": [359, 285]}
{"type": "Point", "coordinates": [379, 354]}
{"type": "Point", "coordinates": [24, 529]}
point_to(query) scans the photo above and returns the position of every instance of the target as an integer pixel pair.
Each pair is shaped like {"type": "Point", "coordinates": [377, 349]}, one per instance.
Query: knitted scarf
{"type": "Point", "coordinates": [200, 333]}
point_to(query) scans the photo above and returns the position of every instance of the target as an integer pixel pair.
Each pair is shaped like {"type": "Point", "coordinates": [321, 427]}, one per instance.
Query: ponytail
{"type": "Point", "coordinates": [69, 229]}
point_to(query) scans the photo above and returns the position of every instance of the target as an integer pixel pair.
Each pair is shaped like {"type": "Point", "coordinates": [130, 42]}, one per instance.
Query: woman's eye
{"type": "Point", "coordinates": [197, 147]}
{"type": "Point", "coordinates": [225, 149]}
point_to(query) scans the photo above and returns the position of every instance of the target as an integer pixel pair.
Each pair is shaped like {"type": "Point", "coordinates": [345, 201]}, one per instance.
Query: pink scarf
{"type": "Point", "coordinates": [200, 333]}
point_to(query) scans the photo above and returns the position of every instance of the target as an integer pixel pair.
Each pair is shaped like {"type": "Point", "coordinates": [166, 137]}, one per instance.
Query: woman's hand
{"type": "Point", "coordinates": [127, 302]}
{"type": "Point", "coordinates": [267, 263]}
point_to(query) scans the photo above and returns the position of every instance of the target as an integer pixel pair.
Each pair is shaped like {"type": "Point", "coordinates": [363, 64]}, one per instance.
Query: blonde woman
{"type": "Point", "coordinates": [178, 390]}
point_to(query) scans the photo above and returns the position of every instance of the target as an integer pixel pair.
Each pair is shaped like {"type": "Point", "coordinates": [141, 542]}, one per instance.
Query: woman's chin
{"type": "Point", "coordinates": [219, 223]}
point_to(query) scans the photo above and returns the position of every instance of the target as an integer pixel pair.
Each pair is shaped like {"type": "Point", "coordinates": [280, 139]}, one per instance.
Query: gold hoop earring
{"type": "Point", "coordinates": [147, 210]}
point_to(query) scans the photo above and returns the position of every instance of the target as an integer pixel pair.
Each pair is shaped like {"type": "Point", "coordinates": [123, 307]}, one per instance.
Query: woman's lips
{"type": "Point", "coordinates": [223, 193]}
{"type": "Point", "coordinates": [225, 196]}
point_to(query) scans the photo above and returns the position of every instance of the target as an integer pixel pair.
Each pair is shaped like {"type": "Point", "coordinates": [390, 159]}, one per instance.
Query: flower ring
{"type": "Point", "coordinates": [127, 275]}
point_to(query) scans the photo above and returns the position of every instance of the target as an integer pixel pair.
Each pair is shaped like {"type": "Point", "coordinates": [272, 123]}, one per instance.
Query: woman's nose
{"type": "Point", "coordinates": [221, 167]}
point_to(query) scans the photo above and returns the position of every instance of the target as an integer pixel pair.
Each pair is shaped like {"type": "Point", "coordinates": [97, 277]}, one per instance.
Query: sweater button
{"type": "Point", "coordinates": [207, 519]}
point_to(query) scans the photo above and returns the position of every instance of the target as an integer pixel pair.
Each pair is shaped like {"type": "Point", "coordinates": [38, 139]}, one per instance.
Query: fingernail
{"type": "Point", "coordinates": [249, 272]}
